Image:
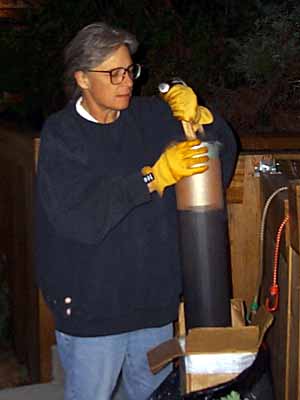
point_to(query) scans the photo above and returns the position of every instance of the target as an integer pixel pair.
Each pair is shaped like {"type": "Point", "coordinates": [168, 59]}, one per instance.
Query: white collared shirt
{"type": "Point", "coordinates": [82, 111]}
{"type": "Point", "coordinates": [85, 114]}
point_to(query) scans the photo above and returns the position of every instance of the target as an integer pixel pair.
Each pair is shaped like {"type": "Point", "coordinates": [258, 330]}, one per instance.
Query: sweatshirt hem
{"type": "Point", "coordinates": [126, 323]}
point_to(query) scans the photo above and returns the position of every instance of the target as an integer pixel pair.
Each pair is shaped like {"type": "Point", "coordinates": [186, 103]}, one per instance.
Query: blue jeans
{"type": "Point", "coordinates": [97, 367]}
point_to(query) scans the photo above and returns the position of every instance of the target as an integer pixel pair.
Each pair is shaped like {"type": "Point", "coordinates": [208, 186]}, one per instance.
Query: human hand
{"type": "Point", "coordinates": [184, 105]}
{"type": "Point", "coordinates": [176, 162]}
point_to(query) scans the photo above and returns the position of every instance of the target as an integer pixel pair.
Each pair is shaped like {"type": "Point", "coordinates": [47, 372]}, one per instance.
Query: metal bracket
{"type": "Point", "coordinates": [265, 166]}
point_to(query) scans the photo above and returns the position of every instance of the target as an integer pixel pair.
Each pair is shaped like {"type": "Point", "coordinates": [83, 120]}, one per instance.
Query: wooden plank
{"type": "Point", "coordinates": [36, 149]}
{"type": "Point", "coordinates": [292, 362]}
{"type": "Point", "coordinates": [294, 201]}
{"type": "Point", "coordinates": [244, 220]}
{"type": "Point", "coordinates": [288, 156]}
{"type": "Point", "coordinates": [293, 343]}
{"type": "Point", "coordinates": [16, 147]}
{"type": "Point", "coordinates": [235, 191]}
{"type": "Point", "coordinates": [46, 340]}
{"type": "Point", "coordinates": [6, 200]}
{"type": "Point", "coordinates": [19, 290]}
{"type": "Point", "coordinates": [46, 322]}
{"type": "Point", "coordinates": [289, 301]}
{"type": "Point", "coordinates": [271, 142]}
{"type": "Point", "coordinates": [32, 321]}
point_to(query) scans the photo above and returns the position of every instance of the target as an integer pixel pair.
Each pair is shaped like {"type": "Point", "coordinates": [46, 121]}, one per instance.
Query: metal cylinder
{"type": "Point", "coordinates": [204, 246]}
{"type": "Point", "coordinates": [203, 190]}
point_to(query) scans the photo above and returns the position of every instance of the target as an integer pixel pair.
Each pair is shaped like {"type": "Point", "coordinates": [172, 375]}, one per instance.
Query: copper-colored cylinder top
{"type": "Point", "coordinates": [203, 191]}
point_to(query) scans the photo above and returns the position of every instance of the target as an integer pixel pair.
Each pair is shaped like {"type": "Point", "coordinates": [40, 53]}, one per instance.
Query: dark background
{"type": "Point", "coordinates": [240, 56]}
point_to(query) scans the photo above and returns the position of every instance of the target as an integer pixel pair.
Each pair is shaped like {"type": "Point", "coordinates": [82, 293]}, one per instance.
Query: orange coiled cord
{"type": "Point", "coordinates": [273, 298]}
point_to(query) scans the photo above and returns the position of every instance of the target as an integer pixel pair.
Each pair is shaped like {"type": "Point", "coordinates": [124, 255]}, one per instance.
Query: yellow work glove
{"type": "Point", "coordinates": [184, 105]}
{"type": "Point", "coordinates": [177, 161]}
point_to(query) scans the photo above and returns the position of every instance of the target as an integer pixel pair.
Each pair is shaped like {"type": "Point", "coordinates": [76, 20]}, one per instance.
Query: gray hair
{"type": "Point", "coordinates": [90, 47]}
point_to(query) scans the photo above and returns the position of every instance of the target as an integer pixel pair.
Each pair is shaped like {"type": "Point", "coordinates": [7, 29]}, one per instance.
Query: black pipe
{"type": "Point", "coordinates": [204, 240]}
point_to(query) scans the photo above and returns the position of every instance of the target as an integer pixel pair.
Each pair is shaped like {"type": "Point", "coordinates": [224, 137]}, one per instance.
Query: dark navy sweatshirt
{"type": "Point", "coordinates": [106, 249]}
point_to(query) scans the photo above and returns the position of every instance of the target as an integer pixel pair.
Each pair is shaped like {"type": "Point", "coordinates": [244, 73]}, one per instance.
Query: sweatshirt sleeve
{"type": "Point", "coordinates": [79, 205]}
{"type": "Point", "coordinates": [228, 153]}
{"type": "Point", "coordinates": [219, 130]}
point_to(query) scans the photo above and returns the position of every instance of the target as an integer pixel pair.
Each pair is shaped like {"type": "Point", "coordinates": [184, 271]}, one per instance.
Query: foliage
{"type": "Point", "coordinates": [270, 48]}
{"type": "Point", "coordinates": [262, 86]}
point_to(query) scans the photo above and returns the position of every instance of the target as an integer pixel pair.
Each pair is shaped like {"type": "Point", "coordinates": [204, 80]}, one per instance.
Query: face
{"type": "Point", "coordinates": [101, 98]}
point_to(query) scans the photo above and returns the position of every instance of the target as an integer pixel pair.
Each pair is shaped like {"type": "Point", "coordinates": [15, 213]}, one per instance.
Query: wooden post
{"type": "Point", "coordinates": [45, 318]}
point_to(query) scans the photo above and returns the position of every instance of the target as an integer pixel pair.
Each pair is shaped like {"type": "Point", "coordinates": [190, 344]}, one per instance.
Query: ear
{"type": "Point", "coordinates": [82, 79]}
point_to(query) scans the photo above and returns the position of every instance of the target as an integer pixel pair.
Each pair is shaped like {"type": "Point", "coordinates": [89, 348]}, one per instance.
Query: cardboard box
{"type": "Point", "coordinates": [212, 356]}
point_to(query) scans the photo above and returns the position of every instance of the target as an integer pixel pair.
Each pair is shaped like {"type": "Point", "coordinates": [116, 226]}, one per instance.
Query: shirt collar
{"type": "Point", "coordinates": [85, 114]}
{"type": "Point", "coordinates": [82, 111]}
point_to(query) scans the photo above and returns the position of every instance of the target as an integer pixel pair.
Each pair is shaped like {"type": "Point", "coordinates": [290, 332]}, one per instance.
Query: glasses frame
{"type": "Point", "coordinates": [125, 70]}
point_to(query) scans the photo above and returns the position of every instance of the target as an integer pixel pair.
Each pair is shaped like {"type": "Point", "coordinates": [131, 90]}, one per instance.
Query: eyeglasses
{"type": "Point", "coordinates": [117, 75]}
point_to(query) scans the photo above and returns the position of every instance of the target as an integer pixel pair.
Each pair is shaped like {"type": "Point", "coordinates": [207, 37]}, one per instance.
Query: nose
{"type": "Point", "coordinates": [127, 80]}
